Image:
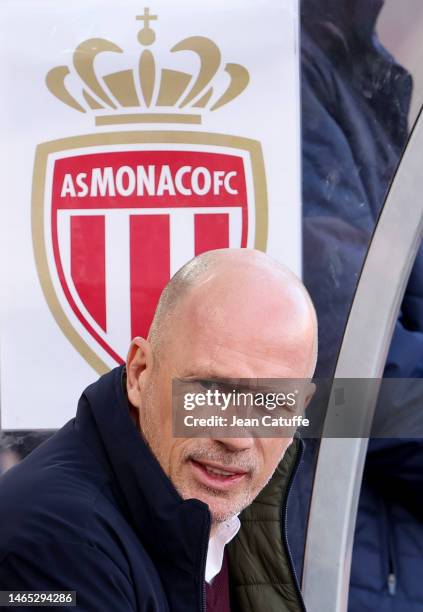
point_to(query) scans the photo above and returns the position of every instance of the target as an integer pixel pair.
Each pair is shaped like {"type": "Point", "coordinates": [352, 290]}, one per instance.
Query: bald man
{"type": "Point", "coordinates": [131, 518]}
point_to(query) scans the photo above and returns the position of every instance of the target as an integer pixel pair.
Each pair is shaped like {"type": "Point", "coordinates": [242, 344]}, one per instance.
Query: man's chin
{"type": "Point", "coordinates": [221, 506]}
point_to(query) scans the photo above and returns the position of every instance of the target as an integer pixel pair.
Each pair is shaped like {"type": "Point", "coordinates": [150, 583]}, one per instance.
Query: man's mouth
{"type": "Point", "coordinates": [217, 476]}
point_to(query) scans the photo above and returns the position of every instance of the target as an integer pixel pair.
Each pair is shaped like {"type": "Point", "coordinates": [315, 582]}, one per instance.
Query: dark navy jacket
{"type": "Point", "coordinates": [91, 510]}
{"type": "Point", "coordinates": [355, 101]}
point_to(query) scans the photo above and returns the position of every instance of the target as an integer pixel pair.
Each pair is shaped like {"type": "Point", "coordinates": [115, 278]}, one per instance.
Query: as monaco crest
{"type": "Point", "coordinates": [117, 213]}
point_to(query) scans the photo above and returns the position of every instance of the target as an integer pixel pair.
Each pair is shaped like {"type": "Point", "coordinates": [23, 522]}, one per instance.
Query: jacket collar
{"type": "Point", "coordinates": [173, 531]}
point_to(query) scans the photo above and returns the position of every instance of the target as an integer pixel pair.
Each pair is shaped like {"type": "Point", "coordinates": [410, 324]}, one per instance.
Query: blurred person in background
{"type": "Point", "coordinates": [15, 446]}
{"type": "Point", "coordinates": [355, 103]}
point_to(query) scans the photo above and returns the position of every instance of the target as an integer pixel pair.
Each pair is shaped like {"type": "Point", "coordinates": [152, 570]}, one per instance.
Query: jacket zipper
{"type": "Point", "coordinates": [203, 600]}
{"type": "Point", "coordinates": [203, 565]}
{"type": "Point", "coordinates": [392, 578]}
{"type": "Point", "coordinates": [391, 581]}
{"type": "Point", "coordinates": [284, 524]}
{"type": "Point", "coordinates": [392, 584]}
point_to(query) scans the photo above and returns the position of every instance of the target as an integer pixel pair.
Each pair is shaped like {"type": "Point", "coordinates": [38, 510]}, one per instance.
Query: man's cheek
{"type": "Point", "coordinates": [273, 458]}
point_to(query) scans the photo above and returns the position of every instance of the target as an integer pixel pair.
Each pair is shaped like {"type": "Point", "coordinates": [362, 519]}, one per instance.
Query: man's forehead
{"type": "Point", "coordinates": [222, 362]}
{"type": "Point", "coordinates": [228, 336]}
{"type": "Point", "coordinates": [242, 341]}
{"type": "Point", "coordinates": [241, 309]}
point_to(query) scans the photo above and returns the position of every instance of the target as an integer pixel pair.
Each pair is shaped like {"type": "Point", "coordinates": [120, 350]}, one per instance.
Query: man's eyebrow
{"type": "Point", "coordinates": [202, 372]}
{"type": "Point", "coordinates": [213, 379]}
{"type": "Point", "coordinates": [206, 377]}
{"type": "Point", "coordinates": [247, 384]}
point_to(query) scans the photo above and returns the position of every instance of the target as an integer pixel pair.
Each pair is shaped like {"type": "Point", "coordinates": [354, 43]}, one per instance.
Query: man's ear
{"type": "Point", "coordinates": [138, 363]}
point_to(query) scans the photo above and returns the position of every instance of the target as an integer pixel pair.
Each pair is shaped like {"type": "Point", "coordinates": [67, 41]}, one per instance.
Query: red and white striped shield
{"type": "Point", "coordinates": [116, 215]}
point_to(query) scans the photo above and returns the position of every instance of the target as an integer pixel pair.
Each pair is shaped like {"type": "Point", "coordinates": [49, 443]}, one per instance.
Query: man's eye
{"type": "Point", "coordinates": [216, 385]}
{"type": "Point", "coordinates": [208, 385]}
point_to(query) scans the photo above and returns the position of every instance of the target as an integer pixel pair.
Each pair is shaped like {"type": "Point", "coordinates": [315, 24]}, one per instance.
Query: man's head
{"type": "Point", "coordinates": [230, 313]}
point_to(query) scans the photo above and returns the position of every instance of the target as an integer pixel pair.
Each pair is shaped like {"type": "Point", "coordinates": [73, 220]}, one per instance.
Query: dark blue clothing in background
{"type": "Point", "coordinates": [355, 101]}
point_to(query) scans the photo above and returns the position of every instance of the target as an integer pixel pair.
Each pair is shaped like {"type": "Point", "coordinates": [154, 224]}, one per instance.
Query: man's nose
{"type": "Point", "coordinates": [236, 444]}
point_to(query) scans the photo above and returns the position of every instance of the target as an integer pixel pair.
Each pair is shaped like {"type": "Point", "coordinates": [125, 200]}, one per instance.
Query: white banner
{"type": "Point", "coordinates": [132, 140]}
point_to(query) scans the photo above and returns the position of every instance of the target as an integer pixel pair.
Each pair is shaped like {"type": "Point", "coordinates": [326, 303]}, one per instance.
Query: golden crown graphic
{"type": "Point", "coordinates": [146, 89]}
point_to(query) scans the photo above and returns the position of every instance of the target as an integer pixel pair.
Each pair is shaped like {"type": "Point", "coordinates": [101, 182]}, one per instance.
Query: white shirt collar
{"type": "Point", "coordinates": [223, 534]}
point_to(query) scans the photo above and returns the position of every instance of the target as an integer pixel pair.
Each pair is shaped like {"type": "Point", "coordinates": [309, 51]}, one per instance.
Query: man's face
{"type": "Point", "coordinates": [226, 473]}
